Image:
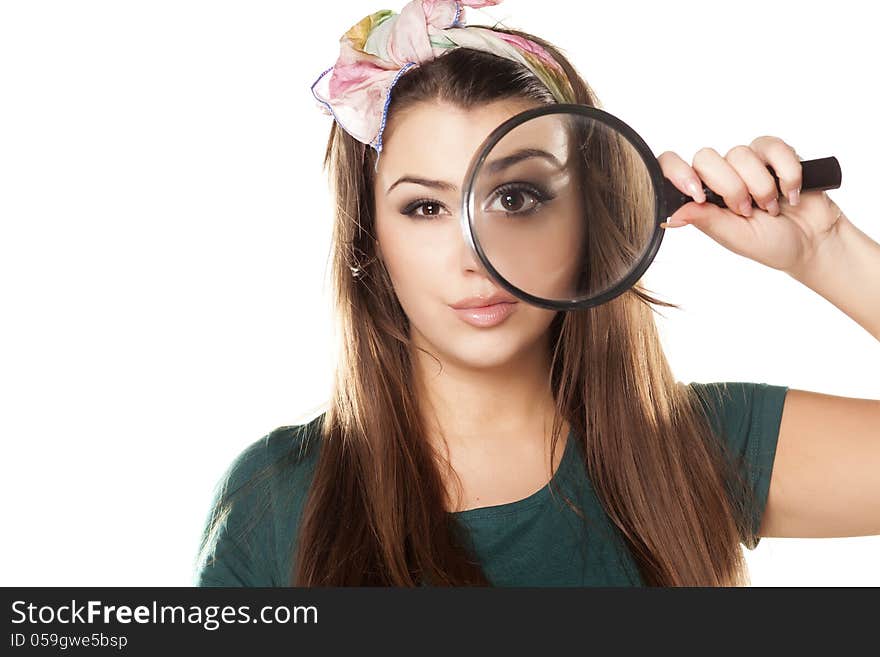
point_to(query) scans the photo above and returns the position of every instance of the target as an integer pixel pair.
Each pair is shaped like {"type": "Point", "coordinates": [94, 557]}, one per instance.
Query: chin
{"type": "Point", "coordinates": [467, 346]}
{"type": "Point", "coordinates": [477, 351]}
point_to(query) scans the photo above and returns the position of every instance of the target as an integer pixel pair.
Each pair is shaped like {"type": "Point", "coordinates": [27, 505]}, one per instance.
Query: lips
{"type": "Point", "coordinates": [486, 316]}
{"type": "Point", "coordinates": [483, 301]}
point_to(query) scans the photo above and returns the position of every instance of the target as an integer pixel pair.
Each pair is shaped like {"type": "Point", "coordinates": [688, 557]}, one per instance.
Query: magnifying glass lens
{"type": "Point", "coordinates": [563, 207]}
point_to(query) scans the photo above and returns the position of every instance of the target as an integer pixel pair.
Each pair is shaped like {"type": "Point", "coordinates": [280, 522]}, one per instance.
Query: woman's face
{"type": "Point", "coordinates": [426, 152]}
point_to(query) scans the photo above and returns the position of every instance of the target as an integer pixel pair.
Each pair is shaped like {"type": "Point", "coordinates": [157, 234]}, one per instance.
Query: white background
{"type": "Point", "coordinates": [165, 238]}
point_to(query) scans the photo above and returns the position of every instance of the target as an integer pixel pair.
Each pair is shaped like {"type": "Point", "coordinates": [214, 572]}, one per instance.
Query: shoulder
{"type": "Point", "coordinates": [256, 506]}
{"type": "Point", "coordinates": [277, 453]}
{"type": "Point", "coordinates": [747, 417]}
{"type": "Point", "coordinates": [741, 410]}
{"type": "Point", "coordinates": [297, 443]}
{"type": "Point", "coordinates": [278, 467]}
{"type": "Point", "coordinates": [289, 455]}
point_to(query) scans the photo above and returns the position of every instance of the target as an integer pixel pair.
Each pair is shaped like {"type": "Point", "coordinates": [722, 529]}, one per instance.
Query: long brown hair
{"type": "Point", "coordinates": [376, 508]}
{"type": "Point", "coordinates": [376, 511]}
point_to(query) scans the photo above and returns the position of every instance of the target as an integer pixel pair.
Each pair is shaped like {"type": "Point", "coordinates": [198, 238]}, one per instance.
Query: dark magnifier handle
{"type": "Point", "coordinates": [818, 175]}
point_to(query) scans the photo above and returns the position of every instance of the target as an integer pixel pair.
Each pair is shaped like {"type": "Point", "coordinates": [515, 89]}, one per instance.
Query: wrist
{"type": "Point", "coordinates": [844, 268]}
{"type": "Point", "coordinates": [824, 257]}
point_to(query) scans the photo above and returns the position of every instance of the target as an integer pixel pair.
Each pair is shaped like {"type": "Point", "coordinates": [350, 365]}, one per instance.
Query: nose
{"type": "Point", "coordinates": [470, 262]}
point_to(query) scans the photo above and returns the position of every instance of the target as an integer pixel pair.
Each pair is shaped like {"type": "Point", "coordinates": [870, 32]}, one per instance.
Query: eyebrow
{"type": "Point", "coordinates": [523, 154]}
{"type": "Point", "coordinates": [436, 184]}
{"type": "Point", "coordinates": [492, 167]}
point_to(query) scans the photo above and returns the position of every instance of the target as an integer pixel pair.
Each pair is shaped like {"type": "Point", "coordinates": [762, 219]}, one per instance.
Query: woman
{"type": "Point", "coordinates": [538, 448]}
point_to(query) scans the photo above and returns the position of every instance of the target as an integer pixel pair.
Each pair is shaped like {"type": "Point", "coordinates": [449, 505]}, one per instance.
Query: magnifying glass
{"type": "Point", "coordinates": [563, 203]}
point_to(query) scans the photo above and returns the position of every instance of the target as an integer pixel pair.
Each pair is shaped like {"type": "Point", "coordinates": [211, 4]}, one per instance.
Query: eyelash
{"type": "Point", "coordinates": [539, 195]}
{"type": "Point", "coordinates": [410, 210]}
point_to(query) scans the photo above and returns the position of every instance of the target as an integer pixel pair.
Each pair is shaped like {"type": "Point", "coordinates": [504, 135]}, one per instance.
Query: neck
{"type": "Point", "coordinates": [484, 407]}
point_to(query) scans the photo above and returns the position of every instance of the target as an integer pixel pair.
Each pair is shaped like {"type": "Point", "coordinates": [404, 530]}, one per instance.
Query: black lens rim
{"type": "Point", "coordinates": [657, 178]}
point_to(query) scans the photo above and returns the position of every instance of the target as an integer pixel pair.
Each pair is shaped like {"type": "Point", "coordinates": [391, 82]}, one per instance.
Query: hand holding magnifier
{"type": "Point", "coordinates": [563, 203]}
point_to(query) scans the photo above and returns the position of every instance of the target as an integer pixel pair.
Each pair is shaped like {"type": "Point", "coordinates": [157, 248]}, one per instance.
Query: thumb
{"type": "Point", "coordinates": [722, 225]}
{"type": "Point", "coordinates": [699, 214]}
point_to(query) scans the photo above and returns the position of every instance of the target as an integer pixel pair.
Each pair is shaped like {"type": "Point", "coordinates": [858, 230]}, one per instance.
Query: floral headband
{"type": "Point", "coordinates": [376, 51]}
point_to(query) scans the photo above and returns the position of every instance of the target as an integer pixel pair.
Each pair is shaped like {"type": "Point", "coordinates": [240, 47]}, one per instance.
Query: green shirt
{"type": "Point", "coordinates": [535, 541]}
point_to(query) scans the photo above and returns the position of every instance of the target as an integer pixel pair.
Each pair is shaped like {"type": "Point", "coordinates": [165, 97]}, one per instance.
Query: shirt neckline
{"type": "Point", "coordinates": [535, 499]}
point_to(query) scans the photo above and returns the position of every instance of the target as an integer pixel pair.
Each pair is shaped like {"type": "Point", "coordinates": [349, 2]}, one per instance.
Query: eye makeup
{"type": "Point", "coordinates": [538, 195]}
{"type": "Point", "coordinates": [409, 209]}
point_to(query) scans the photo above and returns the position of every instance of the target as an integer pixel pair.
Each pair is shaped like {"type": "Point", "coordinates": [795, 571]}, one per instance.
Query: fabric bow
{"type": "Point", "coordinates": [381, 47]}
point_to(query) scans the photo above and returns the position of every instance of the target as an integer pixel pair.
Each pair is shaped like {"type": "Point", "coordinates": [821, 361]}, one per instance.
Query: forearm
{"type": "Point", "coordinates": [845, 270]}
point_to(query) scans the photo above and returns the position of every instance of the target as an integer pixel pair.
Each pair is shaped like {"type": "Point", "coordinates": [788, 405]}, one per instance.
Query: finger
{"type": "Point", "coordinates": [754, 173]}
{"type": "Point", "coordinates": [785, 162]}
{"type": "Point", "coordinates": [723, 179]}
{"type": "Point", "coordinates": [682, 175]}
{"type": "Point", "coordinates": [729, 230]}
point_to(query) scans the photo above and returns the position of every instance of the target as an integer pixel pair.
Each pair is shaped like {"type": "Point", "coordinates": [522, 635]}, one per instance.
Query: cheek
{"type": "Point", "coordinates": [415, 266]}
{"type": "Point", "coordinates": [422, 268]}
{"type": "Point", "coordinates": [415, 281]}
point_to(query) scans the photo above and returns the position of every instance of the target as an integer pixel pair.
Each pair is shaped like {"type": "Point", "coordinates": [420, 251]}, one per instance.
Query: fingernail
{"type": "Point", "coordinates": [746, 208]}
{"type": "Point", "coordinates": [794, 196]}
{"type": "Point", "coordinates": [696, 192]}
{"type": "Point", "coordinates": [674, 224]}
{"type": "Point", "coordinates": [773, 207]}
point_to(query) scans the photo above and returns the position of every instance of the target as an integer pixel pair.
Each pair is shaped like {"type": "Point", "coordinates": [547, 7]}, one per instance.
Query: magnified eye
{"type": "Point", "coordinates": [517, 198]}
